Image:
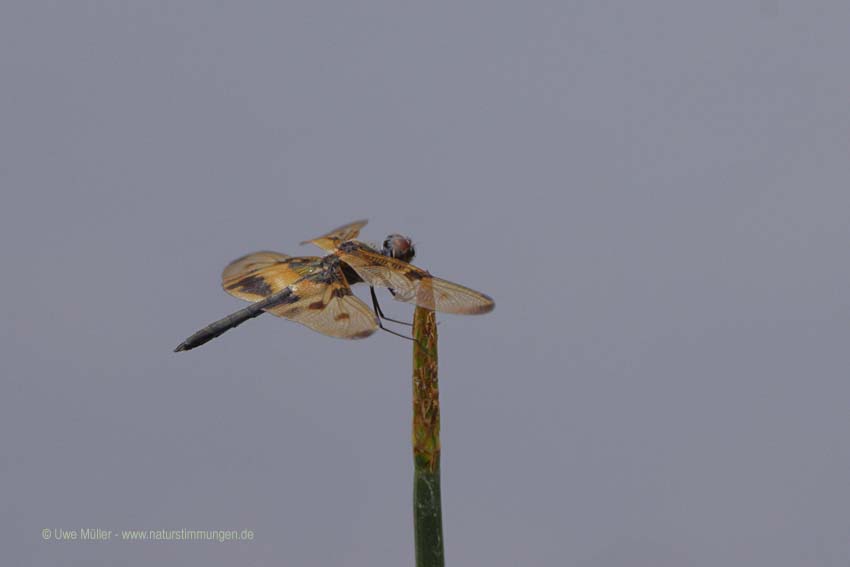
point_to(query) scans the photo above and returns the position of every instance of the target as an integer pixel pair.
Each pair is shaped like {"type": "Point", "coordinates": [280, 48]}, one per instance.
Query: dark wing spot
{"type": "Point", "coordinates": [341, 292]}
{"type": "Point", "coordinates": [342, 316]}
{"type": "Point", "coordinates": [363, 334]}
{"type": "Point", "coordinates": [413, 275]}
{"type": "Point", "coordinates": [252, 284]}
{"type": "Point", "coordinates": [317, 305]}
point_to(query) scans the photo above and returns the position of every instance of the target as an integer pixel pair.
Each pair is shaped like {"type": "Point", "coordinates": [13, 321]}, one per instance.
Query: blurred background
{"type": "Point", "coordinates": [655, 194]}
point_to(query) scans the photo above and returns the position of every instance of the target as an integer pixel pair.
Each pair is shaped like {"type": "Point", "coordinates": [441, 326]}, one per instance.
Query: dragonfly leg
{"type": "Point", "coordinates": [379, 312]}
{"type": "Point", "coordinates": [380, 315]}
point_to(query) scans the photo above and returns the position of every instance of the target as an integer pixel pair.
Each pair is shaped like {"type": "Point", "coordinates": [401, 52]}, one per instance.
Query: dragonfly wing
{"type": "Point", "coordinates": [447, 297]}
{"type": "Point", "coordinates": [338, 235]}
{"type": "Point", "coordinates": [325, 303]}
{"type": "Point", "coordinates": [412, 284]}
{"type": "Point", "coordinates": [256, 276]}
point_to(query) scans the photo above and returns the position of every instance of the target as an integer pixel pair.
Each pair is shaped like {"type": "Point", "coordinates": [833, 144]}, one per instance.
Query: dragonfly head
{"type": "Point", "coordinates": [399, 247]}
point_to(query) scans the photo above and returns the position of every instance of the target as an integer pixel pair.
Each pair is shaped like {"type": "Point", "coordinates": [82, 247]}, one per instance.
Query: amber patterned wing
{"type": "Point", "coordinates": [320, 297]}
{"type": "Point", "coordinates": [323, 301]}
{"type": "Point", "coordinates": [257, 275]}
{"type": "Point", "coordinates": [334, 238]}
{"type": "Point", "coordinates": [412, 284]}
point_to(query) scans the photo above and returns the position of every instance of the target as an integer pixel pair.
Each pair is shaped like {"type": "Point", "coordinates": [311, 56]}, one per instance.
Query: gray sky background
{"type": "Point", "coordinates": [656, 194]}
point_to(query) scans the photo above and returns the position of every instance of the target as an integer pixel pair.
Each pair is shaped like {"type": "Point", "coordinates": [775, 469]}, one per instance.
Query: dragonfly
{"type": "Point", "coordinates": [316, 291]}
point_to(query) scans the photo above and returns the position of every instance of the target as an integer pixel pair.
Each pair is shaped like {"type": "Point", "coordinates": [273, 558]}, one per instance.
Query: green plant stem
{"type": "Point", "coordinates": [427, 508]}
